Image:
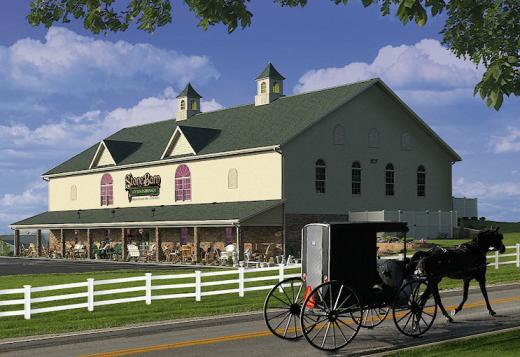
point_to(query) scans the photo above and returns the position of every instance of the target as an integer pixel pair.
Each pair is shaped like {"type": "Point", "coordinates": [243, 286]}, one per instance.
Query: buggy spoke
{"type": "Point", "coordinates": [287, 326]}
{"type": "Point", "coordinates": [402, 317]}
{"type": "Point", "coordinates": [344, 301]}
{"type": "Point", "coordinates": [278, 315]}
{"type": "Point", "coordinates": [323, 300]}
{"type": "Point", "coordinates": [292, 292]}
{"type": "Point", "coordinates": [299, 291]}
{"type": "Point", "coordinates": [407, 322]}
{"type": "Point", "coordinates": [344, 323]}
{"type": "Point", "coordinates": [326, 333]}
{"type": "Point", "coordinates": [337, 300]}
{"type": "Point", "coordinates": [288, 298]}
{"type": "Point", "coordinates": [283, 302]}
{"type": "Point", "coordinates": [341, 331]}
{"type": "Point", "coordinates": [280, 323]}
{"type": "Point", "coordinates": [317, 332]}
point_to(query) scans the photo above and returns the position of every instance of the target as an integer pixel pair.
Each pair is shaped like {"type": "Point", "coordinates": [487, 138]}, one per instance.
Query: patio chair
{"type": "Point", "coordinates": [186, 254]}
{"type": "Point", "coordinates": [79, 251]}
{"type": "Point", "coordinates": [117, 252]}
{"type": "Point", "coordinates": [133, 252]}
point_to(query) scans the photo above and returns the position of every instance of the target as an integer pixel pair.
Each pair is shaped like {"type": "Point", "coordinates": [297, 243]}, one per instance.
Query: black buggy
{"type": "Point", "coordinates": [344, 286]}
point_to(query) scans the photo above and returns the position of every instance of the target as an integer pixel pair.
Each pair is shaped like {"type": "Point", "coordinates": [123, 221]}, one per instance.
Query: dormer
{"type": "Point", "coordinates": [188, 103]}
{"type": "Point", "coordinates": [269, 85]}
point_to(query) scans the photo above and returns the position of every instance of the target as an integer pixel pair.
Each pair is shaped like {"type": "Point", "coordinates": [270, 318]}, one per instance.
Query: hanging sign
{"type": "Point", "coordinates": [142, 186]}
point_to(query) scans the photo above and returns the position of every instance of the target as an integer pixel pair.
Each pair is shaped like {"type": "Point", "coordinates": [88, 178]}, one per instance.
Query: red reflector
{"type": "Point", "coordinates": [310, 304]}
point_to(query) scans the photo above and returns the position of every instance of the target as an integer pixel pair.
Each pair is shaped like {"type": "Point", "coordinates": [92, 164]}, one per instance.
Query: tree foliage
{"type": "Point", "coordinates": [485, 31]}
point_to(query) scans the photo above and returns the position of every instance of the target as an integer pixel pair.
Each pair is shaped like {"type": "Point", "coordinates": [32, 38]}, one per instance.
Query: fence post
{"type": "Point", "coordinates": [496, 259]}
{"type": "Point", "coordinates": [27, 302]}
{"type": "Point", "coordinates": [241, 282]}
{"type": "Point", "coordinates": [518, 255]}
{"type": "Point", "coordinates": [280, 276]}
{"type": "Point", "coordinates": [90, 294]}
{"type": "Point", "coordinates": [401, 256]}
{"type": "Point", "coordinates": [197, 285]}
{"type": "Point", "coordinates": [148, 288]}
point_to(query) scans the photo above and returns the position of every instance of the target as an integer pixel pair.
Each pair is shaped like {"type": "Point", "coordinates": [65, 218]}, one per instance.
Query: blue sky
{"type": "Point", "coordinates": [63, 89]}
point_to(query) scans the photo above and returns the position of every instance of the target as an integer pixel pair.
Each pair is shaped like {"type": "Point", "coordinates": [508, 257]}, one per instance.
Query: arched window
{"type": "Point", "coordinates": [389, 180]}
{"type": "Point", "coordinates": [373, 138]}
{"type": "Point", "coordinates": [276, 87]}
{"type": "Point", "coordinates": [339, 135]}
{"type": "Point", "coordinates": [320, 176]}
{"type": "Point", "coordinates": [73, 193]}
{"type": "Point", "coordinates": [193, 105]}
{"type": "Point", "coordinates": [182, 183]}
{"type": "Point", "coordinates": [406, 141]}
{"type": "Point", "coordinates": [232, 178]}
{"type": "Point", "coordinates": [421, 181]}
{"type": "Point", "coordinates": [107, 193]}
{"type": "Point", "coordinates": [183, 104]}
{"type": "Point", "coordinates": [263, 87]}
{"type": "Point", "coordinates": [356, 178]}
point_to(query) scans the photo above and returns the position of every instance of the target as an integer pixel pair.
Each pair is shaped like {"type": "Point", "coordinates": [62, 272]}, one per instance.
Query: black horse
{"type": "Point", "coordinates": [466, 262]}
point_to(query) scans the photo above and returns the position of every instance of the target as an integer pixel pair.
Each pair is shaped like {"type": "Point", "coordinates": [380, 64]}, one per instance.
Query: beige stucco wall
{"type": "Point", "coordinates": [259, 178]}
{"type": "Point", "coordinates": [374, 109]}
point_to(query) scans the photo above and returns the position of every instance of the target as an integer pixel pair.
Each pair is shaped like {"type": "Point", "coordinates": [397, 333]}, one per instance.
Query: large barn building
{"type": "Point", "coordinates": [252, 174]}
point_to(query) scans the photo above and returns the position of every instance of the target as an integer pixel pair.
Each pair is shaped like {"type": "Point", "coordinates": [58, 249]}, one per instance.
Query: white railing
{"type": "Point", "coordinates": [496, 257]}
{"type": "Point", "coordinates": [151, 290]}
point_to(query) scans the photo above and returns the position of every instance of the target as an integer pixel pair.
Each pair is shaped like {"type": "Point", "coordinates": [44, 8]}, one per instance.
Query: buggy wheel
{"type": "Point", "coordinates": [330, 316]}
{"type": "Point", "coordinates": [414, 308]}
{"type": "Point", "coordinates": [374, 315]}
{"type": "Point", "coordinates": [282, 308]}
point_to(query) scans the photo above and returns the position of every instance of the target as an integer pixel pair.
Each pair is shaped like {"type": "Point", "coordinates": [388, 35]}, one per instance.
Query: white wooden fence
{"type": "Point", "coordinates": [495, 257]}
{"type": "Point", "coordinates": [149, 288]}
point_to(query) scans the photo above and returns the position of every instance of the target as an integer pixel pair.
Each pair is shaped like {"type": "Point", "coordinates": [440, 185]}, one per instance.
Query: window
{"type": "Point", "coordinates": [421, 181]}
{"type": "Point", "coordinates": [229, 235]}
{"type": "Point", "coordinates": [232, 179]}
{"type": "Point", "coordinates": [389, 180]}
{"type": "Point", "coordinates": [182, 183]}
{"type": "Point", "coordinates": [356, 178]}
{"type": "Point", "coordinates": [73, 193]}
{"type": "Point", "coordinates": [406, 141]}
{"type": "Point", "coordinates": [373, 138]}
{"type": "Point", "coordinates": [263, 87]}
{"type": "Point", "coordinates": [339, 135]}
{"type": "Point", "coordinates": [107, 193]}
{"type": "Point", "coordinates": [276, 87]}
{"type": "Point", "coordinates": [193, 105]}
{"type": "Point", "coordinates": [320, 176]}
{"type": "Point", "coordinates": [183, 105]}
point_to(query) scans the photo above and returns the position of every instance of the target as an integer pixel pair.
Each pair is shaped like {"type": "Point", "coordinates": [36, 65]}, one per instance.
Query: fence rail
{"type": "Point", "coordinates": [148, 288]}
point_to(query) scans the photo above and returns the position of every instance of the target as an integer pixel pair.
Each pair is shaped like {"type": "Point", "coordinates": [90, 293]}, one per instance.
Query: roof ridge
{"type": "Point", "coordinates": [330, 88]}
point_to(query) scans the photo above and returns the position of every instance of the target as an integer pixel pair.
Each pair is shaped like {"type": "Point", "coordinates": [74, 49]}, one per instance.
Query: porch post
{"type": "Point", "coordinates": [196, 243]}
{"type": "Point", "coordinates": [123, 244]}
{"type": "Point", "coordinates": [16, 242]}
{"type": "Point", "coordinates": [240, 243]}
{"type": "Point", "coordinates": [39, 242]}
{"type": "Point", "coordinates": [62, 243]}
{"type": "Point", "coordinates": [158, 248]}
{"type": "Point", "coordinates": [89, 244]}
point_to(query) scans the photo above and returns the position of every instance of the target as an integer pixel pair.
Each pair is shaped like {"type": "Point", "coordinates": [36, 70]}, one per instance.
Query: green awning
{"type": "Point", "coordinates": [208, 214]}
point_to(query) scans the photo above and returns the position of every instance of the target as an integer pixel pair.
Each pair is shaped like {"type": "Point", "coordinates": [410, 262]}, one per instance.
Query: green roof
{"type": "Point", "coordinates": [182, 213]}
{"type": "Point", "coordinates": [270, 72]}
{"type": "Point", "coordinates": [237, 128]}
{"type": "Point", "coordinates": [189, 92]}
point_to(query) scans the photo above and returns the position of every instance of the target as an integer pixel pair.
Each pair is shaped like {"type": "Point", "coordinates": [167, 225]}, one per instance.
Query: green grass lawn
{"type": "Point", "coordinates": [501, 344]}
{"type": "Point", "coordinates": [126, 313]}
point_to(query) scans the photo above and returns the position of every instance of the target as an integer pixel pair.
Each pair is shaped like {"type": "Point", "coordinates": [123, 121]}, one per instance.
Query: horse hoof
{"type": "Point", "coordinates": [492, 313]}
{"type": "Point", "coordinates": [449, 319]}
{"type": "Point", "coordinates": [454, 312]}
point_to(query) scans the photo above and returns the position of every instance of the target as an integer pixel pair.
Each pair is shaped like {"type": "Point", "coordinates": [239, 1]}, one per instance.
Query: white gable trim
{"type": "Point", "coordinates": [170, 146]}
{"type": "Point", "coordinates": [100, 150]}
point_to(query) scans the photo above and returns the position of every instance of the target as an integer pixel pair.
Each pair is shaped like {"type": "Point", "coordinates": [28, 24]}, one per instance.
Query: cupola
{"type": "Point", "coordinates": [269, 85]}
{"type": "Point", "coordinates": [188, 103]}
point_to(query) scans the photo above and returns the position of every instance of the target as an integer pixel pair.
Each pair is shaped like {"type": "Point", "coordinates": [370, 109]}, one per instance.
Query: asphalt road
{"type": "Point", "coordinates": [16, 266]}
{"type": "Point", "coordinates": [248, 336]}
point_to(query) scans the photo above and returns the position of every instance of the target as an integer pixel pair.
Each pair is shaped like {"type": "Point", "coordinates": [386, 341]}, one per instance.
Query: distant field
{"type": "Point", "coordinates": [501, 344]}
{"type": "Point", "coordinates": [505, 227]}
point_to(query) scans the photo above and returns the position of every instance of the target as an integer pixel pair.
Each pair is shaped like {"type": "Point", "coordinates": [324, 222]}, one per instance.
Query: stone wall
{"type": "Point", "coordinates": [294, 224]}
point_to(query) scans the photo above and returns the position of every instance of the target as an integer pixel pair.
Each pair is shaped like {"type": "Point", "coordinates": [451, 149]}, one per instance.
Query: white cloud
{"type": "Point", "coordinates": [421, 72]}
{"type": "Point", "coordinates": [509, 142]}
{"type": "Point", "coordinates": [79, 131]}
{"type": "Point", "coordinates": [480, 189]}
{"type": "Point", "coordinates": [34, 195]}
{"type": "Point", "coordinates": [69, 63]}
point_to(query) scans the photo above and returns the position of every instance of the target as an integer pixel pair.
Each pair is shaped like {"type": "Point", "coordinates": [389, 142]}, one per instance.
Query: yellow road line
{"type": "Point", "coordinates": [250, 335]}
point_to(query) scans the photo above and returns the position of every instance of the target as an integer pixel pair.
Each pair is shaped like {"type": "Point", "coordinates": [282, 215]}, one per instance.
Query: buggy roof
{"type": "Point", "coordinates": [375, 226]}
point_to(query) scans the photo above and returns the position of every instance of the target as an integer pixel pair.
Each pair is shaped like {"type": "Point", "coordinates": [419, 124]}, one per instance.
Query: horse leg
{"type": "Point", "coordinates": [482, 283]}
{"type": "Point", "coordinates": [438, 301]}
{"type": "Point", "coordinates": [464, 298]}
